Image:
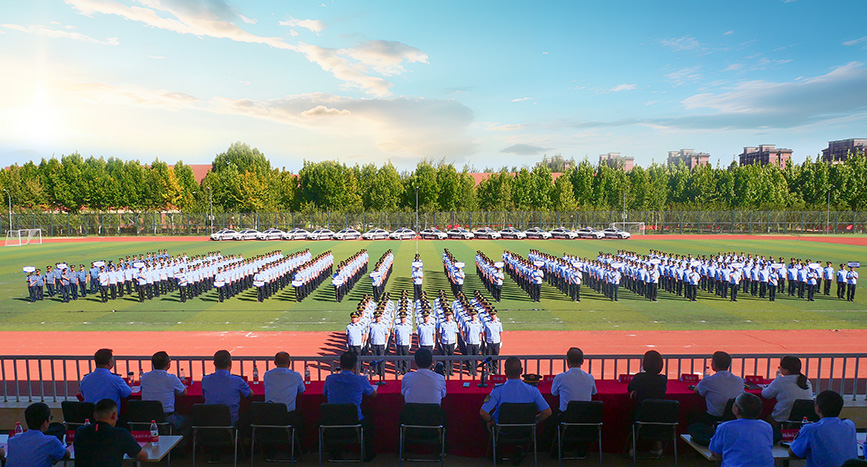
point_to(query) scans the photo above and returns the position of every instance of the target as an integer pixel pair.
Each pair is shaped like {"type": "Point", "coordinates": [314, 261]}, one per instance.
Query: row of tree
{"type": "Point", "coordinates": [243, 180]}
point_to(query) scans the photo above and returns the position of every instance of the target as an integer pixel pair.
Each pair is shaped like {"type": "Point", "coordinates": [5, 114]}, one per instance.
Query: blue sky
{"type": "Point", "coordinates": [485, 83]}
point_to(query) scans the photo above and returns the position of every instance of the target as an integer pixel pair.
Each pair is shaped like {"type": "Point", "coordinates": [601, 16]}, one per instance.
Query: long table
{"type": "Point", "coordinates": [466, 434]}
{"type": "Point", "coordinates": [156, 452]}
{"type": "Point", "coordinates": [779, 451]}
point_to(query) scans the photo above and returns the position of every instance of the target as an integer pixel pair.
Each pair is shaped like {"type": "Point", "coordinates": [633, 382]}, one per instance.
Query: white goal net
{"type": "Point", "coordinates": [23, 237]}
{"type": "Point", "coordinates": [635, 228]}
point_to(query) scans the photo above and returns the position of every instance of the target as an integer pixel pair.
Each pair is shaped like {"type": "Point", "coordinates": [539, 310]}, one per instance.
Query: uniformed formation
{"type": "Point", "coordinates": [560, 273]}
{"type": "Point", "coordinates": [417, 277]}
{"type": "Point", "coordinates": [381, 273]}
{"type": "Point", "coordinates": [491, 274]}
{"type": "Point", "coordinates": [312, 273]}
{"type": "Point", "coordinates": [348, 273]}
{"type": "Point", "coordinates": [454, 271]}
{"type": "Point", "coordinates": [273, 275]}
{"type": "Point", "coordinates": [527, 274]}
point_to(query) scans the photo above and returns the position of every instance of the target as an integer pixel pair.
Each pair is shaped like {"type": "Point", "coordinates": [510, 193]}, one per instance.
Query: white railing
{"type": "Point", "coordinates": [53, 377]}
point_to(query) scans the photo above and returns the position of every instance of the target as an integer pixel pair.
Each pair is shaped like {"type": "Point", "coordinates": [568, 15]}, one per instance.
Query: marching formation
{"type": "Point", "coordinates": [491, 274]}
{"type": "Point", "coordinates": [527, 274]}
{"type": "Point", "coordinates": [348, 273]}
{"type": "Point", "coordinates": [381, 273]}
{"type": "Point", "coordinates": [454, 271]}
{"type": "Point", "coordinates": [272, 277]}
{"type": "Point", "coordinates": [312, 273]}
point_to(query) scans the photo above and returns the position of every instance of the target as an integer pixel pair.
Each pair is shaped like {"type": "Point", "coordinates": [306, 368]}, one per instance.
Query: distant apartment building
{"type": "Point", "coordinates": [766, 154]}
{"type": "Point", "coordinates": [838, 151]}
{"type": "Point", "coordinates": [689, 157]}
{"type": "Point", "coordinates": [614, 159]}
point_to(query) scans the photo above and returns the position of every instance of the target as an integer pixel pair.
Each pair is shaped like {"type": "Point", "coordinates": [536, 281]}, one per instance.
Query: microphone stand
{"type": "Point", "coordinates": [483, 382]}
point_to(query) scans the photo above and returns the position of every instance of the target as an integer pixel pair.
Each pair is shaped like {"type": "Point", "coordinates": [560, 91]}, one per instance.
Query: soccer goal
{"type": "Point", "coordinates": [635, 228]}
{"type": "Point", "coordinates": [23, 237]}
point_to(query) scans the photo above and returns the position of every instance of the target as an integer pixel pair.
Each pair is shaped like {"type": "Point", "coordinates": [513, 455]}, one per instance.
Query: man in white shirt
{"type": "Point", "coordinates": [283, 385]}
{"type": "Point", "coordinates": [423, 386]}
{"type": "Point", "coordinates": [717, 389]}
{"type": "Point", "coordinates": [160, 385]}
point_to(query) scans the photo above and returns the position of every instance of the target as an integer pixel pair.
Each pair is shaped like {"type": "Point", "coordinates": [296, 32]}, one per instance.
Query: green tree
{"type": "Point", "coordinates": [425, 180]}
{"type": "Point", "coordinates": [329, 186]}
{"type": "Point", "coordinates": [582, 183]}
{"type": "Point", "coordinates": [449, 183]}
{"type": "Point", "coordinates": [564, 194]}
{"type": "Point", "coordinates": [495, 192]}
{"type": "Point", "coordinates": [242, 158]}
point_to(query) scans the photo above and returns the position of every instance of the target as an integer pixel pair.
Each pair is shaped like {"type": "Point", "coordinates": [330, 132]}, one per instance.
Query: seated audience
{"type": "Point", "coordinates": [830, 441]}
{"type": "Point", "coordinates": [160, 385]}
{"type": "Point", "coordinates": [34, 448]}
{"type": "Point", "coordinates": [718, 388]}
{"type": "Point", "coordinates": [101, 444]}
{"type": "Point", "coordinates": [347, 387]}
{"type": "Point", "coordinates": [575, 384]}
{"type": "Point", "coordinates": [222, 387]}
{"type": "Point", "coordinates": [102, 383]}
{"type": "Point", "coordinates": [746, 441]}
{"type": "Point", "coordinates": [513, 391]}
{"type": "Point", "coordinates": [283, 385]}
{"type": "Point", "coordinates": [649, 384]}
{"type": "Point", "coordinates": [423, 386]}
{"type": "Point", "coordinates": [790, 386]}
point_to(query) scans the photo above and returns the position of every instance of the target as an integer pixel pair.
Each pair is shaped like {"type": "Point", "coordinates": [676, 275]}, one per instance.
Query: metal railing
{"type": "Point", "coordinates": [47, 377]}
{"type": "Point", "coordinates": [656, 222]}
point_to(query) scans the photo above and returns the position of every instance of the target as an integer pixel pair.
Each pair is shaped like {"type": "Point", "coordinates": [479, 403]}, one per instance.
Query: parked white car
{"type": "Point", "coordinates": [511, 232]}
{"type": "Point", "coordinates": [433, 233]}
{"type": "Point", "coordinates": [321, 234]}
{"type": "Point", "coordinates": [375, 234]}
{"type": "Point", "coordinates": [460, 234]}
{"type": "Point", "coordinates": [589, 232]}
{"type": "Point", "coordinates": [224, 234]}
{"type": "Point", "coordinates": [402, 233]}
{"type": "Point", "coordinates": [347, 234]}
{"type": "Point", "coordinates": [247, 234]}
{"type": "Point", "coordinates": [296, 234]}
{"type": "Point", "coordinates": [563, 232]}
{"type": "Point", "coordinates": [537, 232]}
{"type": "Point", "coordinates": [270, 234]}
{"type": "Point", "coordinates": [486, 232]}
{"type": "Point", "coordinates": [613, 232]}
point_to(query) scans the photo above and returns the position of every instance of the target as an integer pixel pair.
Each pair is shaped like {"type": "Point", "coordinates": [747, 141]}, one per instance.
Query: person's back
{"type": "Point", "coordinates": [34, 448]}
{"type": "Point", "coordinates": [830, 441]}
{"type": "Point", "coordinates": [101, 444]}
{"type": "Point", "coordinates": [746, 441]}
{"type": "Point", "coordinates": [721, 386]}
{"type": "Point", "coordinates": [513, 391]}
{"type": "Point", "coordinates": [102, 383]}
{"type": "Point", "coordinates": [423, 386]}
{"type": "Point", "coordinates": [575, 384]}
{"type": "Point", "coordinates": [282, 384]}
{"type": "Point", "coordinates": [222, 387]}
{"type": "Point", "coordinates": [650, 383]}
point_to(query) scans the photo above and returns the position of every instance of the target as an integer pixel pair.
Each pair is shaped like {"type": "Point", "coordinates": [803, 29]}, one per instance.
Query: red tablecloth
{"type": "Point", "coordinates": [466, 433]}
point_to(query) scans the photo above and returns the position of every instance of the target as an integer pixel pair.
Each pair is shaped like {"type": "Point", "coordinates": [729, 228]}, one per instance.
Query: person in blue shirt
{"type": "Point", "coordinates": [841, 282]}
{"type": "Point", "coordinates": [745, 441]}
{"type": "Point", "coordinates": [49, 281]}
{"type": "Point", "coordinates": [830, 441]}
{"type": "Point", "coordinates": [94, 278]}
{"type": "Point", "coordinates": [34, 448]}
{"type": "Point", "coordinates": [102, 383]}
{"type": "Point", "coordinates": [82, 280]}
{"type": "Point", "coordinates": [828, 276]}
{"type": "Point", "coordinates": [347, 387]}
{"type": "Point", "coordinates": [222, 387]}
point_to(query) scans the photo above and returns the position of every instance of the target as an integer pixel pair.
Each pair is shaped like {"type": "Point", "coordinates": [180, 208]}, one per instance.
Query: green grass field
{"type": "Point", "coordinates": [320, 313]}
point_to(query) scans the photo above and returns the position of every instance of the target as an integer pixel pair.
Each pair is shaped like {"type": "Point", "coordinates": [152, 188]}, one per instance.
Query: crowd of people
{"type": "Point", "coordinates": [381, 273]}
{"type": "Point", "coordinates": [348, 273]}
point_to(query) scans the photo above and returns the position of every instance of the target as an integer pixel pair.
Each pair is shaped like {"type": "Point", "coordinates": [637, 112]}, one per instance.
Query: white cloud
{"type": "Point", "coordinates": [522, 99]}
{"type": "Point", "coordinates": [245, 83]}
{"type": "Point", "coordinates": [684, 76]}
{"type": "Point", "coordinates": [293, 32]}
{"type": "Point", "coordinates": [57, 34]}
{"type": "Point", "coordinates": [313, 25]}
{"type": "Point", "coordinates": [524, 149]}
{"type": "Point", "coordinates": [855, 41]}
{"type": "Point", "coordinates": [156, 57]}
{"type": "Point", "coordinates": [682, 43]}
{"type": "Point", "coordinates": [322, 111]}
{"type": "Point", "coordinates": [729, 32]}
{"type": "Point", "coordinates": [248, 20]}
{"type": "Point", "coordinates": [621, 87]}
{"type": "Point", "coordinates": [649, 103]}
{"type": "Point", "coordinates": [384, 57]}
{"type": "Point", "coordinates": [734, 67]}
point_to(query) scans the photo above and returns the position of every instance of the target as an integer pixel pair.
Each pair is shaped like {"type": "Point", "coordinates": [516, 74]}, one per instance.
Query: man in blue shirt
{"type": "Point", "coordinates": [746, 441]}
{"type": "Point", "coordinates": [830, 441]}
{"type": "Point", "coordinates": [222, 387]}
{"type": "Point", "coordinates": [102, 383]}
{"type": "Point", "coordinates": [34, 448]}
{"type": "Point", "coordinates": [160, 385]}
{"type": "Point", "coordinates": [348, 388]}
{"type": "Point", "coordinates": [283, 385]}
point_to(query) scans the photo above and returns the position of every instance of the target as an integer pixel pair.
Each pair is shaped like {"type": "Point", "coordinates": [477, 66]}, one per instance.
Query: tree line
{"type": "Point", "coordinates": [243, 180]}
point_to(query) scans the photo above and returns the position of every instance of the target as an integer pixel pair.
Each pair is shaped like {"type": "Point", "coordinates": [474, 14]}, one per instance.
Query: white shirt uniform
{"type": "Point", "coordinates": [573, 385]}
{"type": "Point", "coordinates": [786, 390]}
{"type": "Point", "coordinates": [282, 385]}
{"type": "Point", "coordinates": [718, 388]}
{"type": "Point", "coordinates": [160, 385]}
{"type": "Point", "coordinates": [423, 387]}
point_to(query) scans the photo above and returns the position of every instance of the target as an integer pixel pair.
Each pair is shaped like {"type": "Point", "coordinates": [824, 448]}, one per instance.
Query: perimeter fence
{"type": "Point", "coordinates": [655, 222]}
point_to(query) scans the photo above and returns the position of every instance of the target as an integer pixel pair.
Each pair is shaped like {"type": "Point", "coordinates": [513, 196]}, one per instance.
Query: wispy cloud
{"type": "Point", "coordinates": [729, 32]}
{"type": "Point", "coordinates": [248, 20]}
{"type": "Point", "coordinates": [860, 40]}
{"type": "Point", "coordinates": [524, 149]}
{"type": "Point", "coordinates": [58, 34]}
{"type": "Point", "coordinates": [313, 25]}
{"type": "Point", "coordinates": [621, 87]}
{"type": "Point", "coordinates": [682, 43]}
{"type": "Point", "coordinates": [522, 99]}
{"type": "Point", "coordinates": [684, 76]}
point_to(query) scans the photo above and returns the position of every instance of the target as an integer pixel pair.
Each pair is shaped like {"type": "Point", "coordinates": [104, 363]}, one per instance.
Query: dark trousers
{"type": "Point", "coordinates": [378, 351]}
{"type": "Point", "coordinates": [811, 291]}
{"type": "Point", "coordinates": [449, 350]}
{"type": "Point", "coordinates": [772, 292]}
{"type": "Point", "coordinates": [402, 350]}
{"type": "Point", "coordinates": [73, 290]}
{"type": "Point", "coordinates": [183, 293]}
{"type": "Point", "coordinates": [83, 289]}
{"type": "Point", "coordinates": [113, 288]}
{"type": "Point", "coordinates": [473, 349]}
{"type": "Point", "coordinates": [492, 350]}
{"type": "Point", "coordinates": [802, 286]}
{"type": "Point", "coordinates": [103, 292]}
{"type": "Point", "coordinates": [50, 286]}
{"type": "Point", "coordinates": [850, 292]}
{"type": "Point", "coordinates": [841, 289]}
{"type": "Point", "coordinates": [497, 292]}
{"type": "Point", "coordinates": [734, 294]}
{"type": "Point", "coordinates": [827, 286]}
{"type": "Point", "coordinates": [763, 289]}
{"type": "Point", "coordinates": [32, 293]}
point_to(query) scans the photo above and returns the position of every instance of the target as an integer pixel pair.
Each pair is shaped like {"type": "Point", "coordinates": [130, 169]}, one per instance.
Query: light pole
{"type": "Point", "coordinates": [9, 195]}
{"type": "Point", "coordinates": [416, 208]}
{"type": "Point", "coordinates": [211, 204]}
{"type": "Point", "coordinates": [828, 215]}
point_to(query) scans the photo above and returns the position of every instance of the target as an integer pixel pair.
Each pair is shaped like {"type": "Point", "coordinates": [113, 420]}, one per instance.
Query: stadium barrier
{"type": "Point", "coordinates": [41, 377]}
{"type": "Point", "coordinates": [59, 224]}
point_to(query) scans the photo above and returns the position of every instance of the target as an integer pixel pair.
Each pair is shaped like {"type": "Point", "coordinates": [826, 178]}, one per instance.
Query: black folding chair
{"type": "Point", "coordinates": [728, 412]}
{"type": "Point", "coordinates": [75, 413]}
{"type": "Point", "coordinates": [577, 427]}
{"type": "Point", "coordinates": [802, 408]}
{"type": "Point", "coordinates": [274, 426]}
{"type": "Point", "coordinates": [422, 425]}
{"type": "Point", "coordinates": [655, 420]}
{"type": "Point", "coordinates": [140, 414]}
{"type": "Point", "coordinates": [340, 427]}
{"type": "Point", "coordinates": [213, 424]}
{"type": "Point", "coordinates": [516, 425]}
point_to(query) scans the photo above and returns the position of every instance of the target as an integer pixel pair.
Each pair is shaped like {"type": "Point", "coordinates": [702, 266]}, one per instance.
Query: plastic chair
{"type": "Point", "coordinates": [659, 418]}
{"type": "Point", "coordinates": [422, 424]}
{"type": "Point", "coordinates": [275, 427]}
{"type": "Point", "coordinates": [339, 427]}
{"type": "Point", "coordinates": [141, 413]}
{"type": "Point", "coordinates": [214, 421]}
{"type": "Point", "coordinates": [802, 408]}
{"type": "Point", "coordinates": [516, 425]}
{"type": "Point", "coordinates": [728, 412]}
{"type": "Point", "coordinates": [576, 426]}
{"type": "Point", "coordinates": [74, 413]}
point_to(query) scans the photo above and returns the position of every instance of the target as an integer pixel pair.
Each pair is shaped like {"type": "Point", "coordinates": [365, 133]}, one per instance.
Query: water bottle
{"type": "Point", "coordinates": [183, 377]}
{"type": "Point", "coordinates": [155, 433]}
{"type": "Point", "coordinates": [306, 375]}
{"type": "Point", "coordinates": [86, 421]}
{"type": "Point", "coordinates": [20, 430]}
{"type": "Point", "coordinates": [706, 372]}
{"type": "Point", "coordinates": [255, 374]}
{"type": "Point", "coordinates": [140, 374]}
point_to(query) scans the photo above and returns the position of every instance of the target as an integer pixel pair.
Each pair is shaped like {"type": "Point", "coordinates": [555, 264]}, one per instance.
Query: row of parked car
{"type": "Point", "coordinates": [431, 233]}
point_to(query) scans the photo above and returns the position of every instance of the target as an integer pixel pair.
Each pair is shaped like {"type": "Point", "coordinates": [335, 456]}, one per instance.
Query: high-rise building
{"type": "Point", "coordinates": [766, 154]}
{"type": "Point", "coordinates": [689, 157]}
{"type": "Point", "coordinates": [838, 151]}
{"type": "Point", "coordinates": [614, 159]}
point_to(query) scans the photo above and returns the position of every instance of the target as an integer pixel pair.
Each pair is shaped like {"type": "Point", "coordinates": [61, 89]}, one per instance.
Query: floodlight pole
{"type": "Point", "coordinates": [9, 195]}
{"type": "Point", "coordinates": [828, 215]}
{"type": "Point", "coordinates": [211, 203]}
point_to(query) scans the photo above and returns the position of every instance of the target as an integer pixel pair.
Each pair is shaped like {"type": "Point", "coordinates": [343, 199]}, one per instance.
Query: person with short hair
{"type": "Point", "coordinates": [830, 441]}
{"type": "Point", "coordinates": [101, 444]}
{"type": "Point", "coordinates": [745, 441]}
{"type": "Point", "coordinates": [718, 388]}
{"type": "Point", "coordinates": [649, 384]}
{"type": "Point", "coordinates": [423, 386]}
{"type": "Point", "coordinates": [222, 387]}
{"type": "Point", "coordinates": [790, 386]}
{"type": "Point", "coordinates": [347, 387]}
{"type": "Point", "coordinates": [283, 385]}
{"type": "Point", "coordinates": [574, 384]}
{"type": "Point", "coordinates": [34, 448]}
{"type": "Point", "coordinates": [160, 385]}
{"type": "Point", "coordinates": [102, 383]}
